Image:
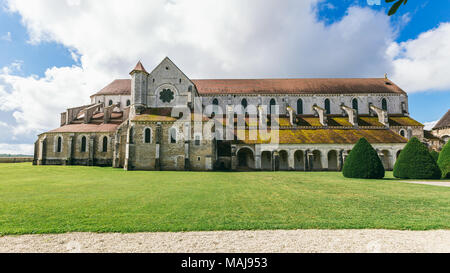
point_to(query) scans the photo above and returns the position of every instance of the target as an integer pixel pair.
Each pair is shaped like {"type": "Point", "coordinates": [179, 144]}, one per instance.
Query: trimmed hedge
{"type": "Point", "coordinates": [416, 162]}
{"type": "Point", "coordinates": [444, 161]}
{"type": "Point", "coordinates": [363, 162]}
{"type": "Point", "coordinates": [435, 155]}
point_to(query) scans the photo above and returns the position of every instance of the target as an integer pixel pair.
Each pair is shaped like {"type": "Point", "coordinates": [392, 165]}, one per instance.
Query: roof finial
{"type": "Point", "coordinates": [385, 76]}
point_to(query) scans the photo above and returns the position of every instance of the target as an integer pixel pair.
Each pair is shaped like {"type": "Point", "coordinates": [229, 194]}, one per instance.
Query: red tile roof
{"type": "Point", "coordinates": [117, 87]}
{"type": "Point", "coordinates": [297, 86]}
{"type": "Point", "coordinates": [275, 86]}
{"type": "Point", "coordinates": [139, 67]}
{"type": "Point", "coordinates": [85, 128]}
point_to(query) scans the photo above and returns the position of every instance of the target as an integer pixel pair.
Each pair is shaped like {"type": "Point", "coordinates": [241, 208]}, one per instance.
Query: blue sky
{"type": "Point", "coordinates": [35, 39]}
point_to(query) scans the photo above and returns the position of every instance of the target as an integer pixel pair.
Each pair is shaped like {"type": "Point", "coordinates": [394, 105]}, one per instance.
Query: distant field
{"type": "Point", "coordinates": [57, 199]}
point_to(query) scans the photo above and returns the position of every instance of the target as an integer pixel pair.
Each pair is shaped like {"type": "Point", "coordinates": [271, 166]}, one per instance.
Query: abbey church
{"type": "Point", "coordinates": [163, 120]}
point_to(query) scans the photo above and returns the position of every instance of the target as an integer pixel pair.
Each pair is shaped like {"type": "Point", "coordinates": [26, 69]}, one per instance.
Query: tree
{"type": "Point", "coordinates": [363, 162]}
{"type": "Point", "coordinates": [416, 162]}
{"type": "Point", "coordinates": [435, 155]}
{"type": "Point", "coordinates": [395, 6]}
{"type": "Point", "coordinates": [444, 161]}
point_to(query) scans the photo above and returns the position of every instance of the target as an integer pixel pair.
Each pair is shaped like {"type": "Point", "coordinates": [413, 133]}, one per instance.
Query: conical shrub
{"type": "Point", "coordinates": [435, 155]}
{"type": "Point", "coordinates": [363, 162]}
{"type": "Point", "coordinates": [416, 162]}
{"type": "Point", "coordinates": [444, 161]}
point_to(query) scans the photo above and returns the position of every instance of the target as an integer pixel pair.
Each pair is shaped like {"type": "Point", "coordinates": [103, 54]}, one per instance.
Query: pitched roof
{"type": "Point", "coordinates": [139, 67]}
{"type": "Point", "coordinates": [116, 87]}
{"type": "Point", "coordinates": [444, 121]}
{"type": "Point", "coordinates": [297, 86]}
{"type": "Point", "coordinates": [86, 128]}
{"type": "Point", "coordinates": [329, 136]}
{"type": "Point", "coordinates": [275, 86]}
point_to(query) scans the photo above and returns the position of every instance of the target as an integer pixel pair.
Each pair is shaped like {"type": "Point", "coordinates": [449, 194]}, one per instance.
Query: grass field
{"type": "Point", "coordinates": [57, 199]}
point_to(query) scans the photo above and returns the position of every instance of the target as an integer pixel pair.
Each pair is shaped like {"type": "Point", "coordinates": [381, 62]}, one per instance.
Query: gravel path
{"type": "Point", "coordinates": [364, 240]}
{"type": "Point", "coordinates": [434, 183]}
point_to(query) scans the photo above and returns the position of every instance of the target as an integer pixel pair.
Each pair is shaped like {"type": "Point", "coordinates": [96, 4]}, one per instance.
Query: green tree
{"type": "Point", "coordinates": [444, 161]}
{"type": "Point", "coordinates": [435, 155]}
{"type": "Point", "coordinates": [395, 6]}
{"type": "Point", "coordinates": [363, 162]}
{"type": "Point", "coordinates": [416, 162]}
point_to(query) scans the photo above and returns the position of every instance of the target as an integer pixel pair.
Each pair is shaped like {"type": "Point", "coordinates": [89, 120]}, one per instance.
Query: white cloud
{"type": "Point", "coordinates": [205, 38]}
{"type": "Point", "coordinates": [424, 63]}
{"type": "Point", "coordinates": [6, 37]}
{"type": "Point", "coordinates": [24, 149]}
{"type": "Point", "coordinates": [429, 125]}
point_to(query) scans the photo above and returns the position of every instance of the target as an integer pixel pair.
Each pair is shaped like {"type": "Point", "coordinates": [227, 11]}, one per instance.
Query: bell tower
{"type": "Point", "coordinates": [139, 85]}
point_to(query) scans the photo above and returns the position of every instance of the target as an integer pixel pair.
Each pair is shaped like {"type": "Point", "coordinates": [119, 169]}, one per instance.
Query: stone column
{"type": "Point", "coordinates": [324, 160]}
{"type": "Point", "coordinates": [234, 162]}
{"type": "Point", "coordinates": [258, 161]}
{"type": "Point", "coordinates": [91, 150]}
{"type": "Point", "coordinates": [41, 156]}
{"type": "Point", "coordinates": [70, 149]}
{"type": "Point", "coordinates": [291, 160]}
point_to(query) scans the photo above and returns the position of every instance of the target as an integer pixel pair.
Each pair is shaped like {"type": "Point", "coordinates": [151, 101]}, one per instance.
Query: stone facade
{"type": "Point", "coordinates": [163, 120]}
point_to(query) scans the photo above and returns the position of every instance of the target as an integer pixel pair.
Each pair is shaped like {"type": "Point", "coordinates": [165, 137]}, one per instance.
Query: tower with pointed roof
{"type": "Point", "coordinates": [139, 86]}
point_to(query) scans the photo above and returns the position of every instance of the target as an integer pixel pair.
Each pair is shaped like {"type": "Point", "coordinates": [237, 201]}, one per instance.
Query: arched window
{"type": "Point", "coordinates": [131, 136]}
{"type": "Point", "coordinates": [59, 145]}
{"type": "Point", "coordinates": [244, 103]}
{"type": "Point", "coordinates": [355, 104]}
{"type": "Point", "coordinates": [272, 105]}
{"type": "Point", "coordinates": [402, 133]}
{"type": "Point", "coordinates": [83, 144]}
{"type": "Point", "coordinates": [215, 103]}
{"type": "Point", "coordinates": [327, 106]}
{"type": "Point", "coordinates": [173, 135]}
{"type": "Point", "coordinates": [105, 144]}
{"type": "Point", "coordinates": [148, 135]}
{"type": "Point", "coordinates": [384, 104]}
{"type": "Point", "coordinates": [110, 102]}
{"type": "Point", "coordinates": [128, 102]}
{"type": "Point", "coordinates": [299, 106]}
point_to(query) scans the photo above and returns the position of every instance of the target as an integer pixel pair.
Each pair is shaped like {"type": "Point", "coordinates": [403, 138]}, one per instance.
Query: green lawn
{"type": "Point", "coordinates": [56, 199]}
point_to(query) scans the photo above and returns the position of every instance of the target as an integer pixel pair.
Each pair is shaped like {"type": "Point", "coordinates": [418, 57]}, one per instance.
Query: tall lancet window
{"type": "Point", "coordinates": [355, 104]}
{"type": "Point", "coordinates": [384, 104]}
{"type": "Point", "coordinates": [83, 144]}
{"type": "Point", "coordinates": [327, 106]}
{"type": "Point", "coordinates": [272, 105]}
{"type": "Point", "coordinates": [299, 106]}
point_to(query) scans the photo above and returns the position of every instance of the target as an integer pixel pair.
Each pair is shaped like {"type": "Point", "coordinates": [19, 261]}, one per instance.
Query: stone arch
{"type": "Point", "coordinates": [332, 160]}
{"type": "Point", "coordinates": [316, 160]}
{"type": "Point", "coordinates": [246, 158]}
{"type": "Point", "coordinates": [299, 160]}
{"type": "Point", "coordinates": [266, 160]}
{"type": "Point", "coordinates": [284, 160]}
